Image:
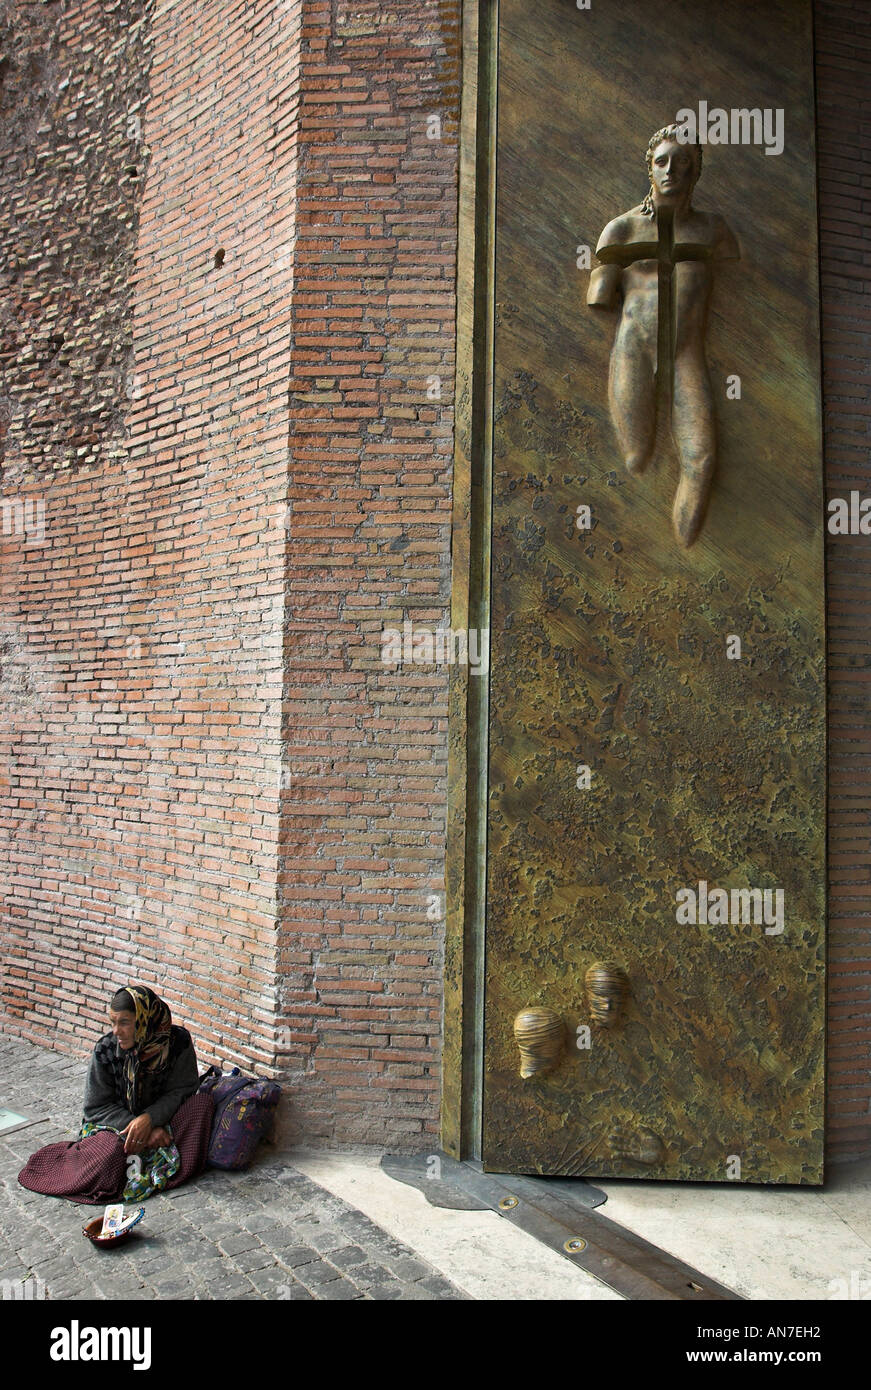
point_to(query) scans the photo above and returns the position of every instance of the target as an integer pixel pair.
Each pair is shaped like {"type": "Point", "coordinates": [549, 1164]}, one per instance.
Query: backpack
{"type": "Point", "coordinates": [244, 1114]}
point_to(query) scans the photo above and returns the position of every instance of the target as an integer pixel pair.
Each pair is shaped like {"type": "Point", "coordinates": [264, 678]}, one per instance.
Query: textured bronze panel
{"type": "Point", "coordinates": [609, 646]}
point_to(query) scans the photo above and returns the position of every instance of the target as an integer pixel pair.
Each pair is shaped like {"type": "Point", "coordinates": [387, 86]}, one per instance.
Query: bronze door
{"type": "Point", "coordinates": [655, 924]}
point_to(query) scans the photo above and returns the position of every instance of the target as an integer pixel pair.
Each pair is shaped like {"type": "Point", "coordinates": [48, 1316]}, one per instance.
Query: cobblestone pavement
{"type": "Point", "coordinates": [268, 1233]}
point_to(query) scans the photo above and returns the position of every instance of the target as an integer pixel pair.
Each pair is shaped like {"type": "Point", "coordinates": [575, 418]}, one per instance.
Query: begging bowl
{"type": "Point", "coordinates": [114, 1238]}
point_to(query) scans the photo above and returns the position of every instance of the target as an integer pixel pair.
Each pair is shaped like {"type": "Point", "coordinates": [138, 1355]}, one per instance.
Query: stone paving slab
{"type": "Point", "coordinates": [267, 1233]}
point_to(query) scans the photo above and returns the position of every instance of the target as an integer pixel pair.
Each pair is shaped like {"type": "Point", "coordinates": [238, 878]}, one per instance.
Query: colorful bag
{"type": "Point", "coordinates": [244, 1114]}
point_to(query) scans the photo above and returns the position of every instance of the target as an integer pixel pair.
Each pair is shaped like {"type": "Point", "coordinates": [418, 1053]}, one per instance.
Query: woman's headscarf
{"type": "Point", "coordinates": [149, 1057]}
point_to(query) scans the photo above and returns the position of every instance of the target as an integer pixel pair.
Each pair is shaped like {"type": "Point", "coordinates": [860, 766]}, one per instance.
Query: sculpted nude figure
{"type": "Point", "coordinates": [658, 259]}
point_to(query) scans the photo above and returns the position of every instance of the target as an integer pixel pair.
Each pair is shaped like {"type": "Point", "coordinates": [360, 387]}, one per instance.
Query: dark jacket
{"type": "Point", "coordinates": [104, 1103]}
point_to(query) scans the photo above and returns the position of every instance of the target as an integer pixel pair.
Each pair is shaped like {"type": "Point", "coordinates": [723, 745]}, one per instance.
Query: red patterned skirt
{"type": "Point", "coordinates": [94, 1170]}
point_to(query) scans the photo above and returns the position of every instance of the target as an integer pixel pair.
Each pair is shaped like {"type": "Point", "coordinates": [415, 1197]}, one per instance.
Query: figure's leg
{"type": "Point", "coordinates": [694, 434]}
{"type": "Point", "coordinates": [632, 397]}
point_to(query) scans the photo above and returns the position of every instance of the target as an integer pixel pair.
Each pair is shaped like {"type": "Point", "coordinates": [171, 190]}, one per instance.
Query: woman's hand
{"type": "Point", "coordinates": [159, 1138]}
{"type": "Point", "coordinates": [136, 1134]}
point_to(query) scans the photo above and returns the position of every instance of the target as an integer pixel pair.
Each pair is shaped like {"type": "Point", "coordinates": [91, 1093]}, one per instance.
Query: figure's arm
{"type": "Point", "coordinates": [101, 1104]}
{"type": "Point", "coordinates": [181, 1082]}
{"type": "Point", "coordinates": [604, 288]}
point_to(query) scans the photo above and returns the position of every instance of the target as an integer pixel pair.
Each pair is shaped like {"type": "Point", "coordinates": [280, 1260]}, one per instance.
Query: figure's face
{"type": "Point", "coordinates": [123, 1025]}
{"type": "Point", "coordinates": [607, 988]}
{"type": "Point", "coordinates": [672, 170]}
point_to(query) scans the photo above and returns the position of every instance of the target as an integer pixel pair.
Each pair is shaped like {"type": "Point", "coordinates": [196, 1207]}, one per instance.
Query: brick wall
{"type": "Point", "coordinates": [73, 85]}
{"type": "Point", "coordinates": [72, 161]}
{"type": "Point", "coordinates": [207, 769]}
{"type": "Point", "coordinates": [143, 639]}
{"type": "Point", "coordinates": [363, 815]}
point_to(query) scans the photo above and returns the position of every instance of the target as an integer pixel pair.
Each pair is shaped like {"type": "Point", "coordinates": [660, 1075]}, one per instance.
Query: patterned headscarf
{"type": "Point", "coordinates": [149, 1056]}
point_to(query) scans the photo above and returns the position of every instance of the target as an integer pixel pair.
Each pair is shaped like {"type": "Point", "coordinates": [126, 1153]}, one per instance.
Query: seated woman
{"type": "Point", "coordinates": [145, 1125]}
{"type": "Point", "coordinates": [139, 1075]}
{"type": "Point", "coordinates": [141, 1071]}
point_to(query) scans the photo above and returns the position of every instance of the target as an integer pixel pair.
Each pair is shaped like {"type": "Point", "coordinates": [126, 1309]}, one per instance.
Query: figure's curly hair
{"type": "Point", "coordinates": [668, 132]}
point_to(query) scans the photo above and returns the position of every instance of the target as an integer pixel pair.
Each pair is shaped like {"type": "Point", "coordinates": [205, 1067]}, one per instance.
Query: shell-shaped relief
{"type": "Point", "coordinates": [540, 1035]}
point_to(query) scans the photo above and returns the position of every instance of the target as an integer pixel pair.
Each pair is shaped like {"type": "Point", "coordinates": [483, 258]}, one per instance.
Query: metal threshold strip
{"type": "Point", "coordinates": [625, 1262]}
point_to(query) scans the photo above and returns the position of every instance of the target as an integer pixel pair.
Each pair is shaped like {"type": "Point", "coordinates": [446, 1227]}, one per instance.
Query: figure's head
{"type": "Point", "coordinates": [673, 168]}
{"type": "Point", "coordinates": [122, 1019]}
{"type": "Point", "coordinates": [607, 989]}
{"type": "Point", "coordinates": [139, 1018]}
